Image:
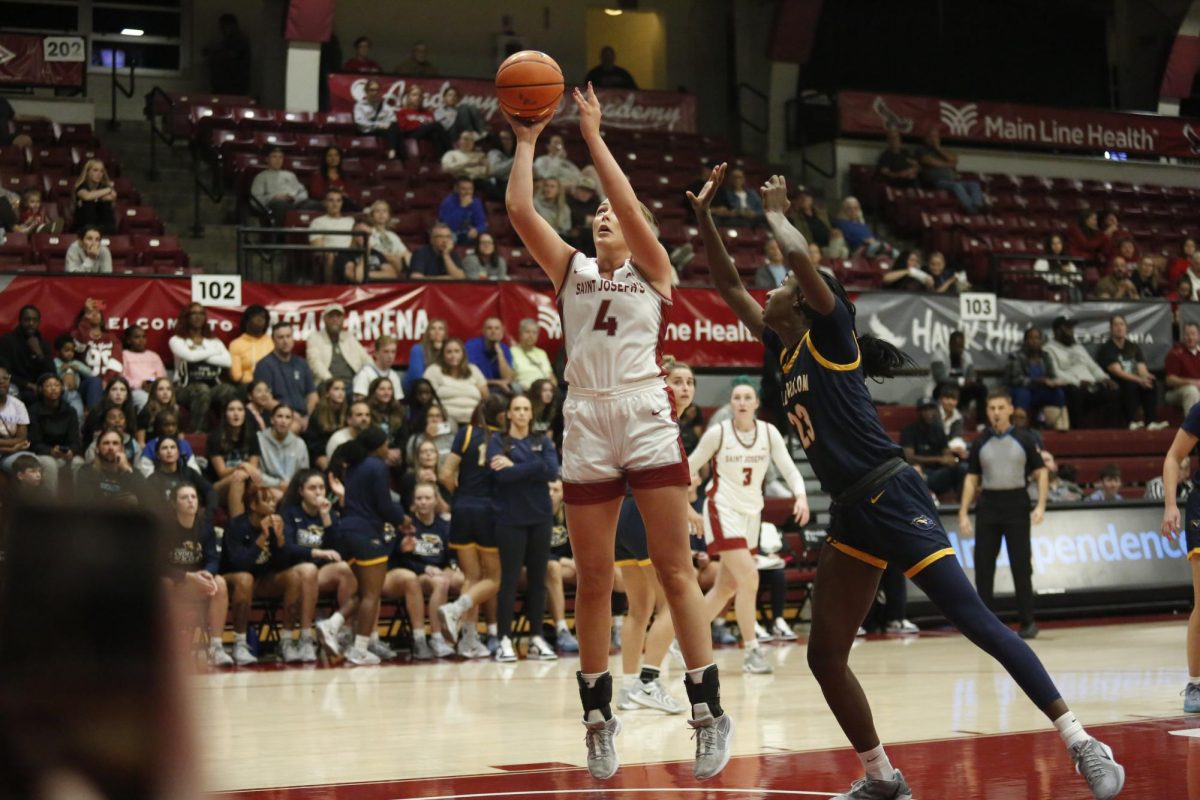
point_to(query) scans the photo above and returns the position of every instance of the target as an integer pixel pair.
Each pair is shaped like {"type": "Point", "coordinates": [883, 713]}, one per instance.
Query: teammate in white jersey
{"type": "Point", "coordinates": [739, 451]}
{"type": "Point", "coordinates": [619, 427]}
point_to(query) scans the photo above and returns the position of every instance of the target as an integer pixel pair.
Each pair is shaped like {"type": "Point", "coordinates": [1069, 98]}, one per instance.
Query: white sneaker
{"type": "Point", "coordinates": [902, 626]}
{"type": "Point", "coordinates": [441, 649]}
{"type": "Point", "coordinates": [242, 655]}
{"type": "Point", "coordinates": [451, 618]}
{"type": "Point", "coordinates": [783, 631]}
{"type": "Point", "coordinates": [756, 663]}
{"type": "Point", "coordinates": [1157, 426]}
{"type": "Point", "coordinates": [289, 651]}
{"type": "Point", "coordinates": [1136, 426]}
{"type": "Point", "coordinates": [625, 701]}
{"type": "Point", "coordinates": [217, 655]}
{"type": "Point", "coordinates": [327, 636]}
{"type": "Point", "coordinates": [471, 647]}
{"type": "Point", "coordinates": [653, 695]}
{"type": "Point", "coordinates": [712, 744]}
{"type": "Point", "coordinates": [505, 653]}
{"type": "Point", "coordinates": [380, 649]}
{"type": "Point", "coordinates": [602, 761]}
{"type": "Point", "coordinates": [361, 658]}
{"type": "Point", "coordinates": [421, 650]}
{"type": "Point", "coordinates": [539, 650]}
{"type": "Point", "coordinates": [307, 650]}
{"type": "Point", "coordinates": [761, 633]}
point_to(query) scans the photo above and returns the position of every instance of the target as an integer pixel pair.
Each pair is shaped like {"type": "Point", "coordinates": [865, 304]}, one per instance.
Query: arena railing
{"type": "Point", "coordinates": [268, 243]}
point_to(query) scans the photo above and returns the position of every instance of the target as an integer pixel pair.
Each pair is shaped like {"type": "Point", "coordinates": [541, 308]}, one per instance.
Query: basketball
{"type": "Point", "coordinates": [529, 85]}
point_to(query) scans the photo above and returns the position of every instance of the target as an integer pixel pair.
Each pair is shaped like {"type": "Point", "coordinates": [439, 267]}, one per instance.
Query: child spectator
{"type": "Point", "coordinates": [1109, 490]}
{"type": "Point", "coordinates": [142, 367]}
{"type": "Point", "coordinates": [29, 476]}
{"type": "Point", "coordinates": [33, 219]}
{"type": "Point", "coordinates": [70, 370]}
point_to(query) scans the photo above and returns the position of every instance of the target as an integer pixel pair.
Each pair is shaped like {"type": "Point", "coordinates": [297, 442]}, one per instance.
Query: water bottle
{"type": "Point", "coordinates": [252, 639]}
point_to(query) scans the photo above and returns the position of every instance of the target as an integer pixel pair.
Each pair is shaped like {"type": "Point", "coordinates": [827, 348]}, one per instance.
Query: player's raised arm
{"type": "Point", "coordinates": [794, 246]}
{"type": "Point", "coordinates": [545, 245]}
{"type": "Point", "coordinates": [649, 256]}
{"type": "Point", "coordinates": [720, 265]}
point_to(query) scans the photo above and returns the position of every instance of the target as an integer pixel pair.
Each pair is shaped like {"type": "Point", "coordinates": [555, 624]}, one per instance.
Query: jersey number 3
{"type": "Point", "coordinates": [604, 322]}
{"type": "Point", "coordinates": [800, 420]}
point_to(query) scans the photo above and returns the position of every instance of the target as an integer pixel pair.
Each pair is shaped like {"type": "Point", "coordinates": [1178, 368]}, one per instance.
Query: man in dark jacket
{"type": "Point", "coordinates": [27, 354]}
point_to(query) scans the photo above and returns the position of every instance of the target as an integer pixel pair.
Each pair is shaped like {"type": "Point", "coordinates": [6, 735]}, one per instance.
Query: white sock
{"type": "Point", "coordinates": [618, 622]}
{"type": "Point", "coordinates": [561, 625]}
{"type": "Point", "coordinates": [1193, 680]}
{"type": "Point", "coordinates": [493, 629]}
{"type": "Point", "coordinates": [239, 638]}
{"type": "Point", "coordinates": [437, 637]}
{"type": "Point", "coordinates": [876, 763]}
{"type": "Point", "coordinates": [1070, 729]}
{"type": "Point", "coordinates": [337, 620]}
{"type": "Point", "coordinates": [418, 634]}
{"type": "Point", "coordinates": [751, 644]}
{"type": "Point", "coordinates": [305, 633]}
{"type": "Point", "coordinates": [361, 642]}
{"type": "Point", "coordinates": [697, 675]}
{"type": "Point", "coordinates": [463, 604]}
{"type": "Point", "coordinates": [591, 678]}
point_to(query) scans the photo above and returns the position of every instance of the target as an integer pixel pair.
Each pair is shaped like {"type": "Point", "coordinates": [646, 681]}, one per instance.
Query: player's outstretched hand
{"type": "Point", "coordinates": [1170, 523]}
{"type": "Point", "coordinates": [774, 195]}
{"type": "Point", "coordinates": [703, 202]}
{"type": "Point", "coordinates": [528, 130]}
{"type": "Point", "coordinates": [589, 110]}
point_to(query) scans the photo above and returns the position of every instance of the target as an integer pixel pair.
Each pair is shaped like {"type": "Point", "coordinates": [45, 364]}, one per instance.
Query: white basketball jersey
{"type": "Point", "coordinates": [613, 326]}
{"type": "Point", "coordinates": [739, 467]}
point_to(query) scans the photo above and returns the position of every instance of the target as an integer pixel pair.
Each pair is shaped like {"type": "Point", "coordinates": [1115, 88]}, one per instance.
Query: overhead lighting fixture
{"type": "Point", "coordinates": [132, 32]}
{"type": "Point", "coordinates": [613, 12]}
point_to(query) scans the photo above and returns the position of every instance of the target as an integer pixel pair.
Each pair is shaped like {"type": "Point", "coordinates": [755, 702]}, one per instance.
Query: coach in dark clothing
{"type": "Point", "coordinates": [926, 446]}
{"type": "Point", "coordinates": [27, 354]}
{"type": "Point", "coordinates": [1001, 460]}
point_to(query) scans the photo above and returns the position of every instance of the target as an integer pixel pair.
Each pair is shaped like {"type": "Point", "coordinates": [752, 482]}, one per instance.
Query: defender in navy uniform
{"type": "Point", "coordinates": [881, 511]}
{"type": "Point", "coordinates": [1185, 442]}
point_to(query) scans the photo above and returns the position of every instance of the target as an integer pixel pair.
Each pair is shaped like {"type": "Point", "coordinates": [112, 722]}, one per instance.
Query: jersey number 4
{"type": "Point", "coordinates": [604, 322]}
{"type": "Point", "coordinates": [800, 420]}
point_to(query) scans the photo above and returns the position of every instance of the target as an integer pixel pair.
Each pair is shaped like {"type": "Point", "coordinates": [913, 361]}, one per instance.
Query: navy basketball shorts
{"type": "Point", "coordinates": [896, 523]}
{"type": "Point", "coordinates": [473, 526]}
{"type": "Point", "coordinates": [631, 536]}
{"type": "Point", "coordinates": [1191, 524]}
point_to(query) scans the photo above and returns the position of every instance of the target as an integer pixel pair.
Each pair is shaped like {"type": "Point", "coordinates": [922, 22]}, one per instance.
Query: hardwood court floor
{"type": "Point", "coordinates": [952, 719]}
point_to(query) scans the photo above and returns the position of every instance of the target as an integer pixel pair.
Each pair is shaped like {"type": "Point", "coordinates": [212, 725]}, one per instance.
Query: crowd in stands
{"type": "Point", "coordinates": [291, 478]}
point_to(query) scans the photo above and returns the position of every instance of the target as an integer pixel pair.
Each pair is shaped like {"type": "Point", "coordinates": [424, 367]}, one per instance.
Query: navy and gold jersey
{"type": "Point", "coordinates": [826, 399]}
{"type": "Point", "coordinates": [432, 547]}
{"type": "Point", "coordinates": [474, 474]}
{"type": "Point", "coordinates": [560, 541]}
{"type": "Point", "coordinates": [303, 532]}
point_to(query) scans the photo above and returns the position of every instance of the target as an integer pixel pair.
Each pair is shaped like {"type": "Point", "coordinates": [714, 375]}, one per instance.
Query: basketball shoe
{"type": "Point", "coordinates": [872, 789]}
{"type": "Point", "coordinates": [1094, 761]}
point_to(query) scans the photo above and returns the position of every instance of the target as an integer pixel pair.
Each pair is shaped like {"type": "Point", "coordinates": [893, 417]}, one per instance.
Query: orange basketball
{"type": "Point", "coordinates": [529, 85]}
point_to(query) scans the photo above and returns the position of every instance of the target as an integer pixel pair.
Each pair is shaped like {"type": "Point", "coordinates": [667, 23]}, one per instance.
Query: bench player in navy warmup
{"type": "Point", "coordinates": [881, 508]}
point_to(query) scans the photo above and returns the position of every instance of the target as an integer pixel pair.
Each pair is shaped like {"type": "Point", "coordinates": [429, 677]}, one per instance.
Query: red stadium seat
{"type": "Point", "coordinates": [159, 251]}
{"type": "Point", "coordinates": [139, 219]}
{"type": "Point", "coordinates": [51, 249]}
{"type": "Point", "coordinates": [122, 251]}
{"type": "Point", "coordinates": [314, 143]}
{"type": "Point", "coordinates": [335, 122]}
{"type": "Point", "coordinates": [79, 134]}
{"type": "Point", "coordinates": [50, 158]}
{"type": "Point", "coordinates": [256, 119]}
{"type": "Point", "coordinates": [40, 131]}
{"type": "Point", "coordinates": [15, 250]}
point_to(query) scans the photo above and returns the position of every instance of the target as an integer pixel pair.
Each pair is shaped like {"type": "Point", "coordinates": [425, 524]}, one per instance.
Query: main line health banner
{"type": "Point", "coordinates": [701, 329]}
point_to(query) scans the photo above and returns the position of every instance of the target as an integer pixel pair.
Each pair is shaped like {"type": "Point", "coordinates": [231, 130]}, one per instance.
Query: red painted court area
{"type": "Point", "coordinates": [1025, 766]}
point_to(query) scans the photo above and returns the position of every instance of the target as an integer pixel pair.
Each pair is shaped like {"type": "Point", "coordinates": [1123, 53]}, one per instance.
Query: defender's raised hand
{"type": "Point", "coordinates": [702, 202]}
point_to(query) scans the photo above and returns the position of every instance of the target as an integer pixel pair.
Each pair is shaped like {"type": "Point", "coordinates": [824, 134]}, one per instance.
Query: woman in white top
{"type": "Point", "coordinates": [459, 383]}
{"type": "Point", "coordinates": [620, 430]}
{"type": "Point", "coordinates": [200, 360]}
{"type": "Point", "coordinates": [88, 253]}
{"type": "Point", "coordinates": [384, 241]}
{"type": "Point", "coordinates": [739, 452]}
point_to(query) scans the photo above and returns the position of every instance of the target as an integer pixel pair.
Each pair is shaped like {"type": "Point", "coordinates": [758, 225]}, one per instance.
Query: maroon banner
{"type": "Point", "coordinates": [33, 60]}
{"type": "Point", "coordinates": [639, 110]}
{"type": "Point", "coordinates": [701, 329]}
{"type": "Point", "coordinates": [1010, 124]}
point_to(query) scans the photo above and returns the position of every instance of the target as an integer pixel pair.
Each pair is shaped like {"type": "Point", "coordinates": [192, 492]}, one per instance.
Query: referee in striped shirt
{"type": "Point", "coordinates": [1001, 461]}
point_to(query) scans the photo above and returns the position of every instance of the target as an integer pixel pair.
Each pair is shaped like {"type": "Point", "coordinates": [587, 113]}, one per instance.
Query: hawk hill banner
{"type": "Point", "coordinates": [1011, 124]}
{"type": "Point", "coordinates": [637, 110]}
